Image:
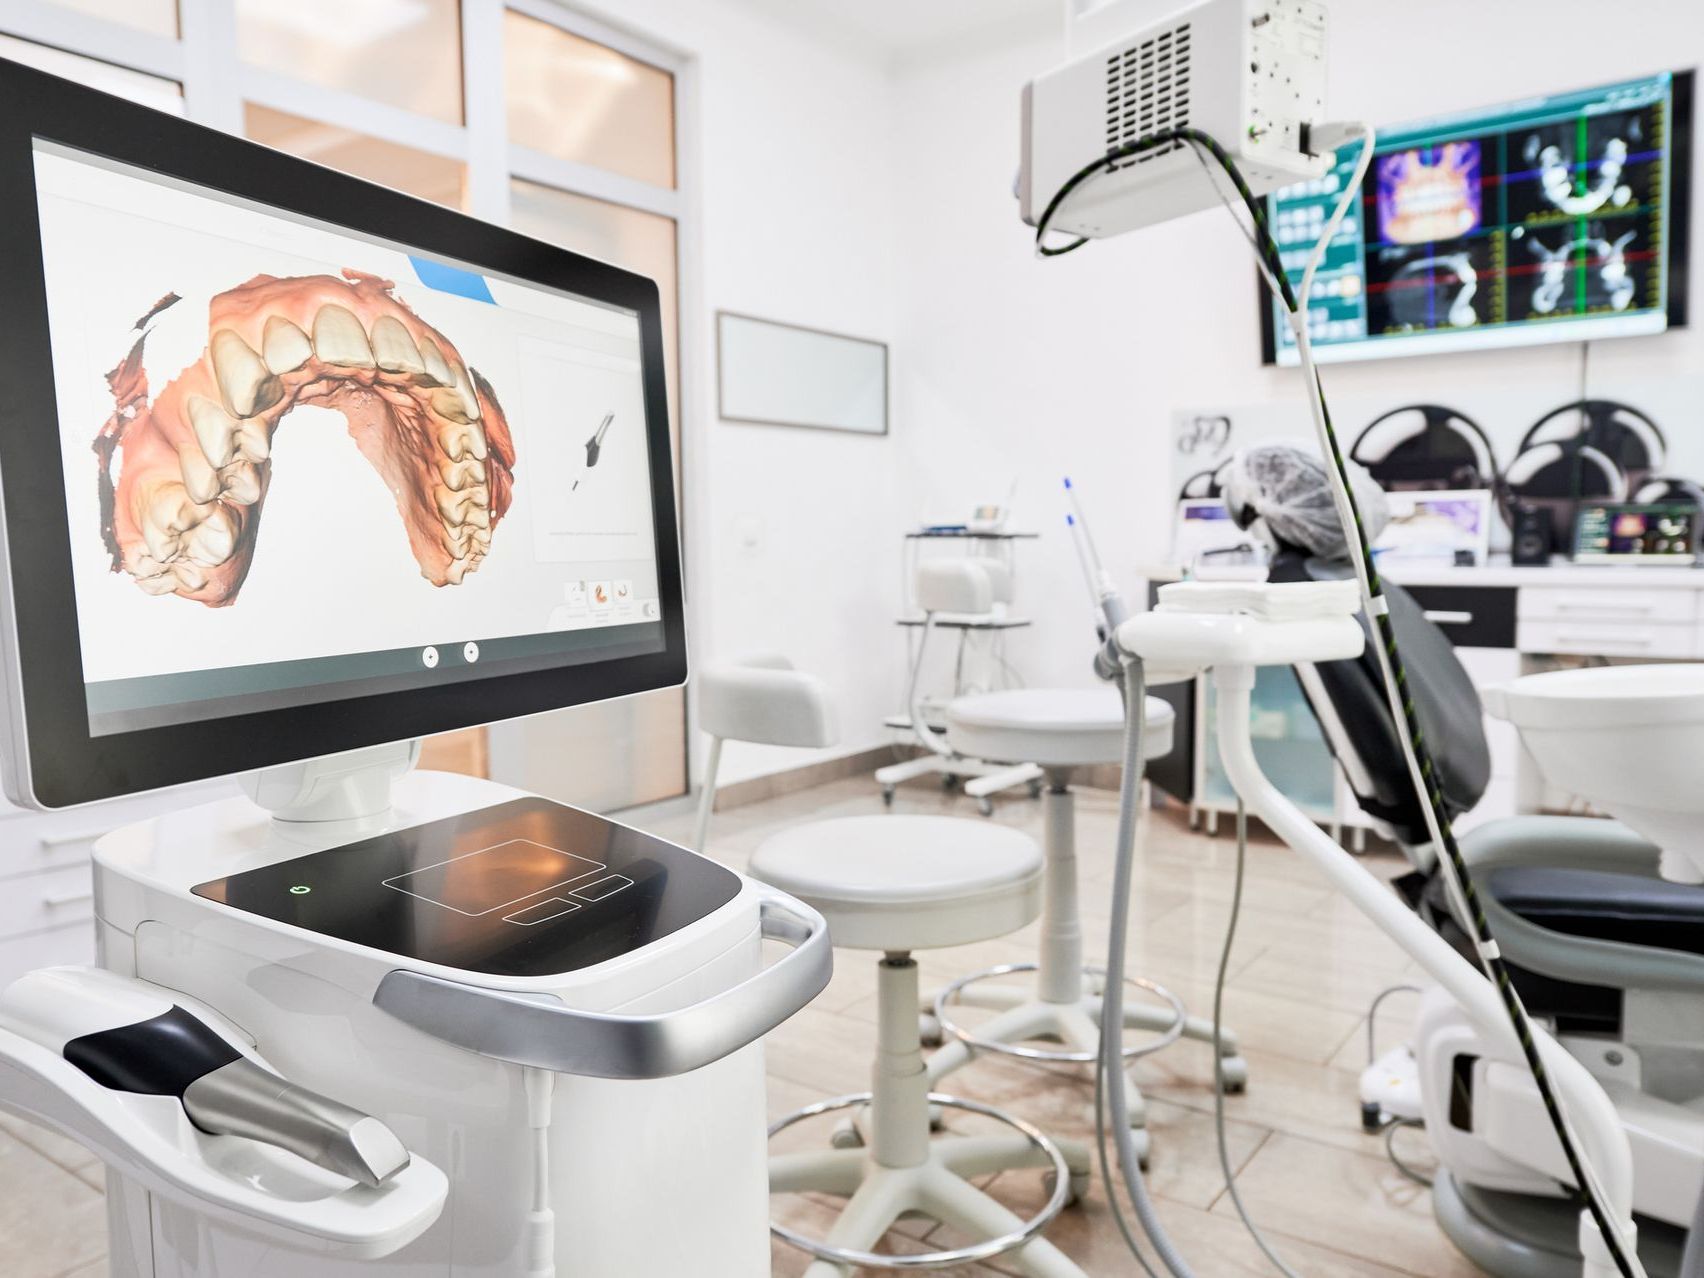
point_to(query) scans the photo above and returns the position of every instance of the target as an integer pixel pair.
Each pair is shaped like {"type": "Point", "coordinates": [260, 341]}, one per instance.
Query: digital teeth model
{"type": "Point", "coordinates": [194, 463]}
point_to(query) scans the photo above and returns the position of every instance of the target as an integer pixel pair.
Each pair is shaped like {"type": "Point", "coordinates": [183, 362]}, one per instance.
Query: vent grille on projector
{"type": "Point", "coordinates": [1147, 90]}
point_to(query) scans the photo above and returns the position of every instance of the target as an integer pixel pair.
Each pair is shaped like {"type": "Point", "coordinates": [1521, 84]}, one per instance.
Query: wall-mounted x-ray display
{"type": "Point", "coordinates": [1554, 219]}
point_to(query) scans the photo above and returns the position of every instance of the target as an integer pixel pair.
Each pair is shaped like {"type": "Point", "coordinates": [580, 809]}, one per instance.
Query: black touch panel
{"type": "Point", "coordinates": [528, 888]}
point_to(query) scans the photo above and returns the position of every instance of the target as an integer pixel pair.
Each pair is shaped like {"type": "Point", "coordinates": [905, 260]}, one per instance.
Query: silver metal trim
{"type": "Point", "coordinates": [937, 1259]}
{"type": "Point", "coordinates": [246, 1099]}
{"type": "Point", "coordinates": [525, 1030]}
{"type": "Point", "coordinates": [1172, 1032]}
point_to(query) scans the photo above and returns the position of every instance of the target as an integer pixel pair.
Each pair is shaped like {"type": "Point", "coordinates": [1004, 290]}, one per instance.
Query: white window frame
{"type": "Point", "coordinates": [204, 61]}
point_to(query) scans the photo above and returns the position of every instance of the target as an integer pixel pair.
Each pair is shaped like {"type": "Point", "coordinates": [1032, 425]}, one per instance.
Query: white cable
{"type": "Point", "coordinates": [1340, 498]}
{"type": "Point", "coordinates": [540, 1245]}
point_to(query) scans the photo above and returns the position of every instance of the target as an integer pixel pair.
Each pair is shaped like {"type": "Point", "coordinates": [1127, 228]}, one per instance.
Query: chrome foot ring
{"type": "Point", "coordinates": [1025, 1233]}
{"type": "Point", "coordinates": [1167, 1037]}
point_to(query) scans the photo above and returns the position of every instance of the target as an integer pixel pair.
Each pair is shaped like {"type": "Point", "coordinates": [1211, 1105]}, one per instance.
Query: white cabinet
{"type": "Point", "coordinates": [46, 893]}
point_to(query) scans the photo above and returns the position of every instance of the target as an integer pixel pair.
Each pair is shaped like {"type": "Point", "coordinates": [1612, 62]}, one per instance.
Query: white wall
{"type": "Point", "coordinates": [792, 535]}
{"type": "Point", "coordinates": [1013, 366]}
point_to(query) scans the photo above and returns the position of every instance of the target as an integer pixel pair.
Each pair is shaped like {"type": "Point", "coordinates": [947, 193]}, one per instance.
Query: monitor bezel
{"type": "Point", "coordinates": [1678, 227]}
{"type": "Point", "coordinates": [53, 760]}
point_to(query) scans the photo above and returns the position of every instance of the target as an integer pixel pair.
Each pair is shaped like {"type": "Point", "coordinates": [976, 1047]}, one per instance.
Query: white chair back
{"type": "Point", "coordinates": [759, 698]}
{"type": "Point", "coordinates": [954, 585]}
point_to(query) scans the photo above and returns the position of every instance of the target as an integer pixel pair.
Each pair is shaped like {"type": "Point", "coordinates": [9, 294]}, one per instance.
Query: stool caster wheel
{"type": "Point", "coordinates": [1233, 1075]}
{"type": "Point", "coordinates": [937, 1119]}
{"type": "Point", "coordinates": [1035, 788]}
{"type": "Point", "coordinates": [846, 1135]}
{"type": "Point", "coordinates": [985, 805]}
{"type": "Point", "coordinates": [929, 1030]}
{"type": "Point", "coordinates": [949, 782]}
{"type": "Point", "coordinates": [887, 796]}
{"type": "Point", "coordinates": [1076, 1188]}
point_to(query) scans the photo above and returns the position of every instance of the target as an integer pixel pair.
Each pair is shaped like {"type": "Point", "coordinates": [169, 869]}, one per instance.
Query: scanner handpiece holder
{"type": "Point", "coordinates": [171, 1093]}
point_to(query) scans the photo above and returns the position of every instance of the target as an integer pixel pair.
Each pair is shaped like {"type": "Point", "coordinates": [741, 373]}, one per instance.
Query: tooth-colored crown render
{"type": "Point", "coordinates": [194, 463]}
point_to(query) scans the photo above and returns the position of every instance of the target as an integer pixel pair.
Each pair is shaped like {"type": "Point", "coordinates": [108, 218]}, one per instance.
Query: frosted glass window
{"type": "Point", "coordinates": [431, 177]}
{"type": "Point", "coordinates": [405, 53]}
{"type": "Point", "coordinates": [150, 90]}
{"type": "Point", "coordinates": [585, 102]}
{"type": "Point", "coordinates": [157, 17]}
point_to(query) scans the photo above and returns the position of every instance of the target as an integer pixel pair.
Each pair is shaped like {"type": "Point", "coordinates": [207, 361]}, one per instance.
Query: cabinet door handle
{"type": "Point", "coordinates": [1606, 642]}
{"type": "Point", "coordinates": [1607, 609]}
{"type": "Point", "coordinates": [63, 899]}
{"type": "Point", "coordinates": [53, 842]}
{"type": "Point", "coordinates": [1447, 617]}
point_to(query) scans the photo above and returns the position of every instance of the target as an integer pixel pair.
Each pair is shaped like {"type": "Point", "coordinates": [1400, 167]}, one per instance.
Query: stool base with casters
{"type": "Point", "coordinates": [1063, 1005]}
{"type": "Point", "coordinates": [904, 1170]}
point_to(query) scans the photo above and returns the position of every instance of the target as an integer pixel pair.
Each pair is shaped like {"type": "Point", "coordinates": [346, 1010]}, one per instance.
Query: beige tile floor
{"type": "Point", "coordinates": [1304, 970]}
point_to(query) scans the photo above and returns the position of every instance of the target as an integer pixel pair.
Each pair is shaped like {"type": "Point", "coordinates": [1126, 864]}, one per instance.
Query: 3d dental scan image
{"type": "Point", "coordinates": [193, 460]}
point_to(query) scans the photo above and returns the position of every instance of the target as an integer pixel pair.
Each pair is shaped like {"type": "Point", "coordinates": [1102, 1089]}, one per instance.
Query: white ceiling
{"type": "Point", "coordinates": [904, 30]}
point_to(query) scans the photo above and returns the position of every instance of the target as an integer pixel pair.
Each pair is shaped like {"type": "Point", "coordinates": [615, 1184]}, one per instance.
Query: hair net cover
{"type": "Point", "coordinates": [1287, 488]}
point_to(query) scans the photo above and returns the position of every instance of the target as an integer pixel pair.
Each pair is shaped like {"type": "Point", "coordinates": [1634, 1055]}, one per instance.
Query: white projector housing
{"type": "Point", "coordinates": [1249, 73]}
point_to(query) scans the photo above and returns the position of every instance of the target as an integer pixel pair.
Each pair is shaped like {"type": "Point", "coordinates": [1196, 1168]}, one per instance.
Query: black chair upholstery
{"type": "Point", "coordinates": [1444, 697]}
{"type": "Point", "coordinates": [1627, 908]}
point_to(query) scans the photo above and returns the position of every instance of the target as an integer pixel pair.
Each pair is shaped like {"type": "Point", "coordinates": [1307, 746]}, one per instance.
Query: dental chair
{"type": "Point", "coordinates": [1600, 948]}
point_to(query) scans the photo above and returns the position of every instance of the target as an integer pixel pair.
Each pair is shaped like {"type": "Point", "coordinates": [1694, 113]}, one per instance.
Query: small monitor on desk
{"type": "Point", "coordinates": [294, 464]}
{"type": "Point", "coordinates": [1448, 525]}
{"type": "Point", "coordinates": [1664, 535]}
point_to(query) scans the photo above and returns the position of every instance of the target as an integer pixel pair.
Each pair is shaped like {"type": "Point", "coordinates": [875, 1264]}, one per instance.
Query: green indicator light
{"type": "Point", "coordinates": [301, 889]}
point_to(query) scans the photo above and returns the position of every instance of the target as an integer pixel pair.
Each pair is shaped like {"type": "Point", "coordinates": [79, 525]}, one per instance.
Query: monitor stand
{"type": "Point", "coordinates": [350, 786]}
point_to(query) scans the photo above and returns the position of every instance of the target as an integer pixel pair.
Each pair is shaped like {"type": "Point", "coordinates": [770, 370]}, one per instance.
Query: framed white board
{"type": "Point", "coordinates": [774, 374]}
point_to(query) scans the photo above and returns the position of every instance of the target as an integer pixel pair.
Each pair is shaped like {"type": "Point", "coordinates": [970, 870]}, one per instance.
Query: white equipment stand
{"type": "Point", "coordinates": [597, 1113]}
{"type": "Point", "coordinates": [967, 595]}
{"type": "Point", "coordinates": [1193, 631]}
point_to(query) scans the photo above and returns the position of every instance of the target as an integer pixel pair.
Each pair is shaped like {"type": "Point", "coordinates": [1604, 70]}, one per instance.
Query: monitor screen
{"type": "Point", "coordinates": [1559, 218]}
{"type": "Point", "coordinates": [1623, 532]}
{"type": "Point", "coordinates": [331, 466]}
{"type": "Point", "coordinates": [301, 462]}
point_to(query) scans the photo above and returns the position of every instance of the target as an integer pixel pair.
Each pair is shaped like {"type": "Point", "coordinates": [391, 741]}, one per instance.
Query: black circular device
{"type": "Point", "coordinates": [1204, 483]}
{"type": "Point", "coordinates": [1670, 490]}
{"type": "Point", "coordinates": [1426, 446]}
{"type": "Point", "coordinates": [1585, 450]}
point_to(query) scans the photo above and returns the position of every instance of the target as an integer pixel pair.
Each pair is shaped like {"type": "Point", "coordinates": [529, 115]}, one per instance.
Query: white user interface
{"type": "Point", "coordinates": [303, 464]}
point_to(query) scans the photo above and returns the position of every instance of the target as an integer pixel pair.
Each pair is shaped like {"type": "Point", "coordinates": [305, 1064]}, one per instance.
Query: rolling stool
{"type": "Point", "coordinates": [896, 884]}
{"type": "Point", "coordinates": [1061, 730]}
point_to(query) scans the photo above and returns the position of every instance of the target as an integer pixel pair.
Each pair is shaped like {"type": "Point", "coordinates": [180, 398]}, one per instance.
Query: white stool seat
{"type": "Point", "coordinates": [1053, 727]}
{"type": "Point", "coordinates": [907, 882]}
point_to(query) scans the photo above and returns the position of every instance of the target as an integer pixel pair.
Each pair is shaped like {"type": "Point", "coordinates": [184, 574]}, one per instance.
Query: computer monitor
{"type": "Point", "coordinates": [1561, 218]}
{"type": "Point", "coordinates": [293, 464]}
{"type": "Point", "coordinates": [1664, 534]}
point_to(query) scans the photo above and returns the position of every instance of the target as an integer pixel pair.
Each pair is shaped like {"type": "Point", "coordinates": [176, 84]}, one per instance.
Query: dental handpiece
{"type": "Point", "coordinates": [129, 1036]}
{"type": "Point", "coordinates": [1110, 609]}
